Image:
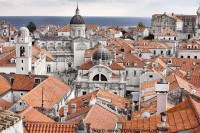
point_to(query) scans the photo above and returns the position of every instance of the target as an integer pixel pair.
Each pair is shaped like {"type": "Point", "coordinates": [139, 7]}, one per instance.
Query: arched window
{"type": "Point", "coordinates": [96, 77]}
{"type": "Point", "coordinates": [69, 65]}
{"type": "Point", "coordinates": [22, 51]}
{"type": "Point", "coordinates": [48, 69]}
{"type": "Point", "coordinates": [103, 78]}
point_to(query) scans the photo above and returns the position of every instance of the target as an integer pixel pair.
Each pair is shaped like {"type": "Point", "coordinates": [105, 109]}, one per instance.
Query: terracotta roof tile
{"type": "Point", "coordinates": [86, 66]}
{"type": "Point", "coordinates": [49, 127]}
{"type": "Point", "coordinates": [116, 66]}
{"type": "Point", "coordinates": [5, 104]}
{"type": "Point", "coordinates": [5, 86]}
{"type": "Point", "coordinates": [66, 28]}
{"type": "Point", "coordinates": [32, 115]}
{"type": "Point", "coordinates": [132, 60]}
{"type": "Point", "coordinates": [23, 82]}
{"type": "Point", "coordinates": [181, 117]}
{"type": "Point", "coordinates": [101, 118]}
{"type": "Point", "coordinates": [54, 90]}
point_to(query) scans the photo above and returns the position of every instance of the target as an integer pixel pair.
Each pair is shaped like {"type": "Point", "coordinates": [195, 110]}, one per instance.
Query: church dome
{"type": "Point", "coordinates": [77, 18]}
{"type": "Point", "coordinates": [23, 32]}
{"type": "Point", "coordinates": [102, 53]}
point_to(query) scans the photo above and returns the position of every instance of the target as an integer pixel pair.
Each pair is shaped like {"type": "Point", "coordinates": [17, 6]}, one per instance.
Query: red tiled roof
{"type": "Point", "coordinates": [66, 28]}
{"type": "Point", "coordinates": [54, 90]}
{"type": "Point", "coordinates": [4, 85]}
{"type": "Point", "coordinates": [101, 118]}
{"type": "Point", "coordinates": [5, 61]}
{"type": "Point", "coordinates": [133, 61]}
{"type": "Point", "coordinates": [32, 115]}
{"type": "Point", "coordinates": [23, 82]}
{"type": "Point", "coordinates": [116, 66]}
{"type": "Point", "coordinates": [50, 127]}
{"type": "Point", "coordinates": [36, 51]}
{"type": "Point", "coordinates": [86, 66]}
{"type": "Point", "coordinates": [181, 119]}
{"type": "Point", "coordinates": [79, 114]}
{"type": "Point", "coordinates": [5, 104]}
{"type": "Point", "coordinates": [93, 27]}
{"type": "Point", "coordinates": [157, 45]}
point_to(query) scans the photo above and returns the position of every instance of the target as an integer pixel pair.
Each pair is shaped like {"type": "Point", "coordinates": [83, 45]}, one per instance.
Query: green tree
{"type": "Point", "coordinates": [141, 25]}
{"type": "Point", "coordinates": [31, 26]}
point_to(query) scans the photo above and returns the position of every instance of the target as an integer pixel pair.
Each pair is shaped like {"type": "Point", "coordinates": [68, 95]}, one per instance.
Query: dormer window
{"type": "Point", "coordinates": [12, 60]}
{"type": "Point", "coordinates": [127, 63]}
{"type": "Point", "coordinates": [195, 47]}
{"type": "Point", "coordinates": [73, 108]}
{"type": "Point", "coordinates": [135, 63]}
{"type": "Point", "coordinates": [189, 46]}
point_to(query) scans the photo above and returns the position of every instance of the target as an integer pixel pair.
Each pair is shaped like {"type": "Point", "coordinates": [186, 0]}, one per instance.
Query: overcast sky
{"type": "Point", "coordinates": [136, 8]}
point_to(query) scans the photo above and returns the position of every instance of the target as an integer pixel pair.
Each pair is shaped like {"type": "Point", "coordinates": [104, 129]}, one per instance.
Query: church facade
{"type": "Point", "coordinates": [68, 50]}
{"type": "Point", "coordinates": [101, 72]}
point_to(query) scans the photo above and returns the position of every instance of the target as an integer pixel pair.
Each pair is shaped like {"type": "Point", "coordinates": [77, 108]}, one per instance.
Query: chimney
{"type": "Point", "coordinates": [65, 110]}
{"type": "Point", "coordinates": [161, 89]}
{"type": "Point", "coordinates": [135, 99]}
{"type": "Point", "coordinates": [82, 127]}
{"type": "Point", "coordinates": [29, 74]}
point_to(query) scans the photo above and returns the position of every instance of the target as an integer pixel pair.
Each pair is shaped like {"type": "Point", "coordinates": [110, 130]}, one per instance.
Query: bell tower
{"type": "Point", "coordinates": [23, 52]}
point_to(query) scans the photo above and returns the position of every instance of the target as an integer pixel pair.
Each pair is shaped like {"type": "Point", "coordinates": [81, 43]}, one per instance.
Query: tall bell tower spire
{"type": "Point", "coordinates": [77, 10]}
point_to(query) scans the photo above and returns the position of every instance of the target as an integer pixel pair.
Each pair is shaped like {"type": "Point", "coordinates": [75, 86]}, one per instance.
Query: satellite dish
{"type": "Point", "coordinates": [145, 115]}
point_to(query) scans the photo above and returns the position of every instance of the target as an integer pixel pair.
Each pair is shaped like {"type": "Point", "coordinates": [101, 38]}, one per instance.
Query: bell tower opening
{"type": "Point", "coordinates": [22, 51]}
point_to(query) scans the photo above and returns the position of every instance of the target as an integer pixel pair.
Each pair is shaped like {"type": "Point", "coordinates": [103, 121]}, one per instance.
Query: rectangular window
{"type": "Point", "coordinates": [195, 57]}
{"type": "Point", "coordinates": [37, 81]}
{"type": "Point", "coordinates": [154, 52]}
{"type": "Point", "coordinates": [126, 72]}
{"type": "Point", "coordinates": [161, 52]}
{"type": "Point", "coordinates": [22, 68]}
{"type": "Point", "coordinates": [84, 92]}
{"type": "Point", "coordinates": [22, 61]}
{"type": "Point", "coordinates": [134, 73]}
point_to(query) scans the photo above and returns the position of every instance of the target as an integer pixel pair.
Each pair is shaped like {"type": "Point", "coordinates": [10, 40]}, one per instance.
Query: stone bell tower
{"type": "Point", "coordinates": [23, 52]}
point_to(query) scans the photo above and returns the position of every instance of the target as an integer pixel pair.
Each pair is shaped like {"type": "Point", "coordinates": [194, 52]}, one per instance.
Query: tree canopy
{"type": "Point", "coordinates": [31, 26]}
{"type": "Point", "coordinates": [141, 25]}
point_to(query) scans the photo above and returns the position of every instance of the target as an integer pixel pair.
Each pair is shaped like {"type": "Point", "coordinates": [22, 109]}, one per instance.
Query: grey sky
{"type": "Point", "coordinates": [138, 8]}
